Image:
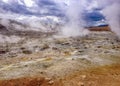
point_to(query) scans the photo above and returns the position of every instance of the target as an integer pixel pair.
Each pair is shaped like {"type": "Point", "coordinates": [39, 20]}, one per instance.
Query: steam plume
{"type": "Point", "coordinates": [75, 25]}
{"type": "Point", "coordinates": [111, 11]}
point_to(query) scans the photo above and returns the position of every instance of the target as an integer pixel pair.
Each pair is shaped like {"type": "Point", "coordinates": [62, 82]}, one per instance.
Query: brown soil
{"type": "Point", "coordinates": [106, 28]}
{"type": "Point", "coordinates": [30, 81]}
{"type": "Point", "coordinates": [102, 76]}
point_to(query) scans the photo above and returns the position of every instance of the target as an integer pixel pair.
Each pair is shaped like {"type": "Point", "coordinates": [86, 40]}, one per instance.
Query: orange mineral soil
{"type": "Point", "coordinates": [101, 76]}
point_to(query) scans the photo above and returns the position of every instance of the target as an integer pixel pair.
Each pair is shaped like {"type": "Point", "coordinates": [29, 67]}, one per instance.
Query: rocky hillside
{"type": "Point", "coordinates": [57, 61]}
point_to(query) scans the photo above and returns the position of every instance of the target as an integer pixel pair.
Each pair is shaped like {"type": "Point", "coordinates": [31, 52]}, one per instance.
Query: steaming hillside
{"type": "Point", "coordinates": [55, 59]}
{"type": "Point", "coordinates": [59, 43]}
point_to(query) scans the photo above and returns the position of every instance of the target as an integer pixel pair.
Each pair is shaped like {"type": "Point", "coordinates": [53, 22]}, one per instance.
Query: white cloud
{"type": "Point", "coordinates": [92, 5]}
{"type": "Point", "coordinates": [6, 1]}
{"type": "Point", "coordinates": [29, 3]}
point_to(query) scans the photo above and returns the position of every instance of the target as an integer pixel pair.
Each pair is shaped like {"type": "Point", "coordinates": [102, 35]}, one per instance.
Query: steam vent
{"type": "Point", "coordinates": [59, 42]}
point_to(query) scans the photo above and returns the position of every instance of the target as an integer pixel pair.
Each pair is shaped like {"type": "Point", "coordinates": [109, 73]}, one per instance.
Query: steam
{"type": "Point", "coordinates": [6, 39]}
{"type": "Point", "coordinates": [112, 14]}
{"type": "Point", "coordinates": [19, 22]}
{"type": "Point", "coordinates": [36, 18]}
{"type": "Point", "coordinates": [111, 11]}
{"type": "Point", "coordinates": [75, 24]}
{"type": "Point", "coordinates": [5, 22]}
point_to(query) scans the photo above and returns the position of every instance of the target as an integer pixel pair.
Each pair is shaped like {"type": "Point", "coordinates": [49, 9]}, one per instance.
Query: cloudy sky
{"type": "Point", "coordinates": [91, 9]}
{"type": "Point", "coordinates": [49, 7]}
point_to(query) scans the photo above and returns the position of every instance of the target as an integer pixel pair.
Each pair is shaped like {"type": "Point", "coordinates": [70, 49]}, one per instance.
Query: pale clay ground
{"type": "Point", "coordinates": [57, 57]}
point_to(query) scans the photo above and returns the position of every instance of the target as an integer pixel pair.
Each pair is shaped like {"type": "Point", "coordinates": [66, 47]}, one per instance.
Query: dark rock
{"type": "Point", "coordinates": [2, 52]}
{"type": "Point", "coordinates": [45, 46]}
{"type": "Point", "coordinates": [27, 52]}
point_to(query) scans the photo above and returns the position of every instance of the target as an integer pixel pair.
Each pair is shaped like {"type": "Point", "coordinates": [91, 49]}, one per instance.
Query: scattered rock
{"type": "Point", "coordinates": [83, 76]}
{"type": "Point", "coordinates": [81, 84]}
{"type": "Point", "coordinates": [27, 52]}
{"type": "Point", "coordinates": [3, 51]}
{"type": "Point", "coordinates": [45, 46]}
{"type": "Point", "coordinates": [99, 46]}
{"type": "Point", "coordinates": [54, 48]}
{"type": "Point", "coordinates": [48, 79]}
{"type": "Point", "coordinates": [51, 82]}
{"type": "Point", "coordinates": [65, 43]}
{"type": "Point", "coordinates": [80, 51]}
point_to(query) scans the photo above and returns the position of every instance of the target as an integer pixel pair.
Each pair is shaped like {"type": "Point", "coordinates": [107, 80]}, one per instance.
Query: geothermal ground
{"type": "Point", "coordinates": [42, 59]}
